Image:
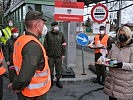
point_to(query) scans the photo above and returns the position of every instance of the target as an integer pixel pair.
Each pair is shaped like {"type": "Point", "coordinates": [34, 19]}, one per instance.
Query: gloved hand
{"type": "Point", "coordinates": [118, 65]}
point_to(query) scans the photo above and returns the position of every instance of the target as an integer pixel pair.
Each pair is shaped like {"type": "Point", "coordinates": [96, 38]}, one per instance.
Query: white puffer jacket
{"type": "Point", "coordinates": [119, 81]}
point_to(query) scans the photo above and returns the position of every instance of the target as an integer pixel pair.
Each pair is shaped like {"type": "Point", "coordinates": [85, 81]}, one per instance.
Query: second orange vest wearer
{"type": "Point", "coordinates": [103, 41]}
{"type": "Point", "coordinates": [2, 68]}
{"type": "Point", "coordinates": [41, 82]}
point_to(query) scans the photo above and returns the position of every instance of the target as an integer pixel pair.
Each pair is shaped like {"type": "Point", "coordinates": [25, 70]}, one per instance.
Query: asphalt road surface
{"type": "Point", "coordinates": [84, 91]}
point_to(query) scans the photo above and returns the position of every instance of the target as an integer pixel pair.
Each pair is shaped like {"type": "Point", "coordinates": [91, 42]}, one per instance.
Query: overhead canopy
{"type": "Point", "coordinates": [87, 2]}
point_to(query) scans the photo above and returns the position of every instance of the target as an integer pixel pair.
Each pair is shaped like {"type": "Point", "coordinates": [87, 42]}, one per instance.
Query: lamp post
{"type": "Point", "coordinates": [119, 14]}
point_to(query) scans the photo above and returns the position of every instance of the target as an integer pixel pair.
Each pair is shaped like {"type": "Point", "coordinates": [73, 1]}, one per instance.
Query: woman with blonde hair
{"type": "Point", "coordinates": [119, 81]}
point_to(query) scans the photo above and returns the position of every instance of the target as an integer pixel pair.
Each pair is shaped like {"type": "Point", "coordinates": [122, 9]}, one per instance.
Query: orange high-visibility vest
{"type": "Point", "coordinates": [103, 41]}
{"type": "Point", "coordinates": [2, 68]}
{"type": "Point", "coordinates": [41, 82]}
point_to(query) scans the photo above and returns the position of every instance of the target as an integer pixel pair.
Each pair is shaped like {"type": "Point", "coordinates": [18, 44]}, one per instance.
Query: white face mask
{"type": "Point", "coordinates": [15, 35]}
{"type": "Point", "coordinates": [0, 33]}
{"type": "Point", "coordinates": [44, 30]}
{"type": "Point", "coordinates": [10, 24]}
{"type": "Point", "coordinates": [102, 32]}
{"type": "Point", "coordinates": [56, 28]}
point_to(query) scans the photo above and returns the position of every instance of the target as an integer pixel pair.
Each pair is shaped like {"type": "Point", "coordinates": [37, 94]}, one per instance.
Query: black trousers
{"type": "Point", "coordinates": [57, 64]}
{"type": "Point", "coordinates": [1, 87]}
{"type": "Point", "coordinates": [100, 70]}
{"type": "Point", "coordinates": [111, 98]}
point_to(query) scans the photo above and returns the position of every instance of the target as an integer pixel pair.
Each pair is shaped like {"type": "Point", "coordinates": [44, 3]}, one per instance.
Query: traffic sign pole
{"type": "Point", "coordinates": [83, 61]}
{"type": "Point", "coordinates": [83, 40]}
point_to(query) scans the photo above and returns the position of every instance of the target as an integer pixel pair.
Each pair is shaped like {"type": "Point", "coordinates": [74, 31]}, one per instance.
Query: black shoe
{"type": "Point", "coordinates": [59, 85]}
{"type": "Point", "coordinates": [52, 83]}
{"type": "Point", "coordinates": [102, 83]}
{"type": "Point", "coordinates": [96, 81]}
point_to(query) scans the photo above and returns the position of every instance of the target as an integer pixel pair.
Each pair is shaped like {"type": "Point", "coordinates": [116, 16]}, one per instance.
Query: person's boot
{"type": "Point", "coordinates": [58, 84]}
{"type": "Point", "coordinates": [52, 81]}
{"type": "Point", "coordinates": [97, 80]}
{"type": "Point", "coordinates": [103, 81]}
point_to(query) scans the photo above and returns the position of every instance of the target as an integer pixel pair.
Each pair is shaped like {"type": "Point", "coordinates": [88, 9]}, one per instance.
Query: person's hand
{"type": "Point", "coordinates": [11, 68]}
{"type": "Point", "coordinates": [8, 63]}
{"type": "Point", "coordinates": [64, 44]}
{"type": "Point", "coordinates": [91, 46]}
{"type": "Point", "coordinates": [118, 65]}
{"type": "Point", "coordinates": [10, 86]}
{"type": "Point", "coordinates": [63, 57]}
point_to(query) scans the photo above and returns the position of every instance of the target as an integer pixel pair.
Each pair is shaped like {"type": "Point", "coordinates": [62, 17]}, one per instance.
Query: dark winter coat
{"type": "Point", "coordinates": [53, 44]}
{"type": "Point", "coordinates": [8, 50]}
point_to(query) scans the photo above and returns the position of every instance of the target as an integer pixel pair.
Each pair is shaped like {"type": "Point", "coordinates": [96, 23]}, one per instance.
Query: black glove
{"type": "Point", "coordinates": [118, 65]}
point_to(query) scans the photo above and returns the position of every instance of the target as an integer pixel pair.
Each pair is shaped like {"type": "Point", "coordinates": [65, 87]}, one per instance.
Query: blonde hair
{"type": "Point", "coordinates": [127, 31]}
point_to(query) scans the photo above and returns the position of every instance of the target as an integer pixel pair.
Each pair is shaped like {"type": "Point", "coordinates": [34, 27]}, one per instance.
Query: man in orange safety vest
{"type": "Point", "coordinates": [2, 71]}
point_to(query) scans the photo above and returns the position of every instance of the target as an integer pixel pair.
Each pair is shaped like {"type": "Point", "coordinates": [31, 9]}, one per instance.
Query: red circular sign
{"type": "Point", "coordinates": [99, 13]}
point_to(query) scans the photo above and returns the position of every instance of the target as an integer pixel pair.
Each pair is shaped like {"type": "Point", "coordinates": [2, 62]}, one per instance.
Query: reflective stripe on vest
{"type": "Point", "coordinates": [103, 41]}
{"type": "Point", "coordinates": [38, 85]}
{"type": "Point", "coordinates": [41, 74]}
{"type": "Point", "coordinates": [8, 33]}
{"type": "Point", "coordinates": [40, 82]}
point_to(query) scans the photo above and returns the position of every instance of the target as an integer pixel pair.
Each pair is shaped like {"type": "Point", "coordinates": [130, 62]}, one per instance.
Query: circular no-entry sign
{"type": "Point", "coordinates": [99, 13]}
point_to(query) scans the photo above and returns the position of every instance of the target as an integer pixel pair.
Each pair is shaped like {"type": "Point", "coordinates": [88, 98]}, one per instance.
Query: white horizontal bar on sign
{"type": "Point", "coordinates": [71, 11]}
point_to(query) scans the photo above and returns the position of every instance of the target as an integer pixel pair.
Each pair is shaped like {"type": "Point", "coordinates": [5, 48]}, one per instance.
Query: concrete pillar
{"type": "Point", "coordinates": [69, 32]}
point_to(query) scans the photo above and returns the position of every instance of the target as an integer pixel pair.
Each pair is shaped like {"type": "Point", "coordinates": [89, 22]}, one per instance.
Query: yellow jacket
{"type": "Point", "coordinates": [7, 34]}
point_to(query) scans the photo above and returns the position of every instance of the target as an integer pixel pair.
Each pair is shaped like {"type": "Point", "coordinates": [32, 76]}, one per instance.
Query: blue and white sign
{"type": "Point", "coordinates": [82, 39]}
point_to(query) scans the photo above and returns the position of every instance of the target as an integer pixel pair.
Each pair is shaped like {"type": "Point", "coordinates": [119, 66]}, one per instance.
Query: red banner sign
{"type": "Point", "coordinates": [69, 11]}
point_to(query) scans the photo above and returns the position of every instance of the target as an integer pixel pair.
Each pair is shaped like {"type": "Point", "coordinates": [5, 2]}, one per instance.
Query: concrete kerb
{"type": "Point", "coordinates": [67, 81]}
